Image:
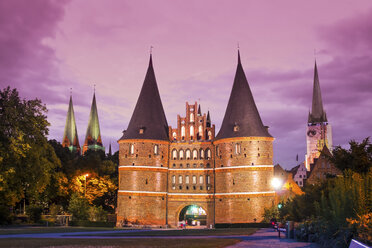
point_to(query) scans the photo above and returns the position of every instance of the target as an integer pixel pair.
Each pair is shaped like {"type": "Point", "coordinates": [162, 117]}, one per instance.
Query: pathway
{"type": "Point", "coordinates": [269, 238]}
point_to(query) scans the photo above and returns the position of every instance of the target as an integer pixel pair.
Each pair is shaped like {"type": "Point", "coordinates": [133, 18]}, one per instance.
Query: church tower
{"type": "Point", "coordinates": [93, 139]}
{"type": "Point", "coordinates": [70, 135]}
{"type": "Point", "coordinates": [318, 131]}
{"type": "Point", "coordinates": [243, 159]}
{"type": "Point", "coordinates": [143, 160]}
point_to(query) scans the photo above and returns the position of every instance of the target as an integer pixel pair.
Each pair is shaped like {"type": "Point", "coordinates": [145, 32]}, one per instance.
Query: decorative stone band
{"type": "Point", "coordinates": [139, 167]}
{"type": "Point", "coordinates": [198, 195]}
{"type": "Point", "coordinates": [141, 193]}
{"type": "Point", "coordinates": [175, 144]}
{"type": "Point", "coordinates": [243, 139]}
{"type": "Point", "coordinates": [144, 141]}
{"type": "Point", "coordinates": [220, 169]}
{"type": "Point", "coordinates": [244, 194]}
{"type": "Point", "coordinates": [192, 169]}
{"type": "Point", "coordinates": [244, 167]}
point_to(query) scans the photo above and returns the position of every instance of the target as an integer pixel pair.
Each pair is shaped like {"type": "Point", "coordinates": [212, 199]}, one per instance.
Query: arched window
{"type": "Point", "coordinates": [209, 135]}
{"type": "Point", "coordinates": [237, 148]}
{"type": "Point", "coordinates": [201, 179]}
{"type": "Point", "coordinates": [183, 132]}
{"type": "Point", "coordinates": [195, 154]}
{"type": "Point", "coordinates": [181, 154]}
{"type": "Point", "coordinates": [173, 179]}
{"type": "Point", "coordinates": [156, 149]}
{"type": "Point", "coordinates": [201, 153]}
{"type": "Point", "coordinates": [179, 179]}
{"type": "Point", "coordinates": [174, 154]}
{"type": "Point", "coordinates": [187, 180]}
{"type": "Point", "coordinates": [194, 179]}
{"type": "Point", "coordinates": [131, 149]}
{"type": "Point", "coordinates": [188, 154]}
{"type": "Point", "coordinates": [208, 179]}
{"type": "Point", "coordinates": [200, 130]}
{"type": "Point", "coordinates": [191, 132]}
{"type": "Point", "coordinates": [209, 154]}
{"type": "Point", "coordinates": [174, 135]}
{"type": "Point", "coordinates": [192, 117]}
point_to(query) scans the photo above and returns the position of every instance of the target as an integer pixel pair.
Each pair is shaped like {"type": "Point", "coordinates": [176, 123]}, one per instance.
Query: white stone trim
{"type": "Point", "coordinates": [143, 166]}
{"type": "Point", "coordinates": [192, 169]}
{"type": "Point", "coordinates": [147, 192]}
{"type": "Point", "coordinates": [244, 166]}
{"type": "Point", "coordinates": [246, 193]}
{"type": "Point", "coordinates": [195, 194]}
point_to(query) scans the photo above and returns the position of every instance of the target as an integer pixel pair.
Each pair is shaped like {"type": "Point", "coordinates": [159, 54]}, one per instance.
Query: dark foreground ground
{"type": "Point", "coordinates": [109, 237]}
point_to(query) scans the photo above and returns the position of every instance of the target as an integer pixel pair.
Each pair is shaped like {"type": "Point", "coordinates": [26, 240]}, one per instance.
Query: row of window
{"type": "Point", "coordinates": [156, 149]}
{"type": "Point", "coordinates": [199, 134]}
{"type": "Point", "coordinates": [193, 187]}
{"type": "Point", "coordinates": [181, 154]}
{"type": "Point", "coordinates": [194, 165]}
{"type": "Point", "coordinates": [194, 179]}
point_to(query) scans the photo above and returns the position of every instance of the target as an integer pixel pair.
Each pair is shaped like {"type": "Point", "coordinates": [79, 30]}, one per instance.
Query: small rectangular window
{"type": "Point", "coordinates": [179, 179]}
{"type": "Point", "coordinates": [201, 179]}
{"type": "Point", "coordinates": [194, 179]}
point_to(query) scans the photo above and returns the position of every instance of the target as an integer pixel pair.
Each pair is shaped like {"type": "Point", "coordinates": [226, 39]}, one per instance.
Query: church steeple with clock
{"type": "Point", "coordinates": [318, 131]}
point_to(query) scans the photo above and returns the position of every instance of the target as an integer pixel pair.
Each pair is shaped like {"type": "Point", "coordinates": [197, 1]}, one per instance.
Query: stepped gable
{"type": "Point", "coordinates": [317, 114]}
{"type": "Point", "coordinates": [70, 135]}
{"type": "Point", "coordinates": [93, 135]}
{"type": "Point", "coordinates": [241, 118]}
{"type": "Point", "coordinates": [148, 120]}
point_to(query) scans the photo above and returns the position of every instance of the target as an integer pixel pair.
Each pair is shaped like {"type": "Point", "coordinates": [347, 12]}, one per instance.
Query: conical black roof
{"type": "Point", "coordinates": [148, 120]}
{"type": "Point", "coordinates": [241, 118]}
{"type": "Point", "coordinates": [317, 112]}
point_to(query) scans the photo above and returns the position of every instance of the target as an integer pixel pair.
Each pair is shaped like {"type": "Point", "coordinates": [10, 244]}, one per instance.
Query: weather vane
{"type": "Point", "coordinates": [94, 88]}
{"type": "Point", "coordinates": [70, 91]}
{"type": "Point", "coordinates": [151, 47]}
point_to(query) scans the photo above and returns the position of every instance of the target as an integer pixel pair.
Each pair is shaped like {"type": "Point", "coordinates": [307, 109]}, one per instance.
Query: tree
{"type": "Point", "coordinates": [357, 158]}
{"type": "Point", "coordinates": [27, 161]}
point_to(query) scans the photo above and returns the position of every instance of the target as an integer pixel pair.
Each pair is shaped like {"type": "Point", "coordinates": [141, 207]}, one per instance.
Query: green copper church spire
{"type": "Point", "coordinates": [93, 139]}
{"type": "Point", "coordinates": [70, 135]}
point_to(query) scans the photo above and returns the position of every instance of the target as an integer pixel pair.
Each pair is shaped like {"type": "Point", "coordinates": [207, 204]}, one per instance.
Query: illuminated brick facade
{"type": "Point", "coordinates": [161, 173]}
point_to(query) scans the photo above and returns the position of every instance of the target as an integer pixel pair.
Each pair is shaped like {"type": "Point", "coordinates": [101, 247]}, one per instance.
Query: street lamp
{"type": "Point", "coordinates": [276, 183]}
{"type": "Point", "coordinates": [85, 184]}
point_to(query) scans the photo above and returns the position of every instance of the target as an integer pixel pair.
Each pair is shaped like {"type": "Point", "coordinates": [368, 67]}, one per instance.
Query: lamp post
{"type": "Point", "coordinates": [85, 184]}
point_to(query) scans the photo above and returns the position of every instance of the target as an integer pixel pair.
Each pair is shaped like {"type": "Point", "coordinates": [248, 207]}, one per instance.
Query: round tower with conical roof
{"type": "Point", "coordinates": [243, 159]}
{"type": "Point", "coordinates": [143, 160]}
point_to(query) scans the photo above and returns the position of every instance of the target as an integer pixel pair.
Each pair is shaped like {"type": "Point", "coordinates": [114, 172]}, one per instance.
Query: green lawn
{"type": "Point", "coordinates": [30, 230]}
{"type": "Point", "coordinates": [182, 243]}
{"type": "Point", "coordinates": [184, 232]}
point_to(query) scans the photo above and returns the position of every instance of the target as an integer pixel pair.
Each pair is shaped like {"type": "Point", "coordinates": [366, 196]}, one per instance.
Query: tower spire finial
{"type": "Point", "coordinates": [151, 47]}
{"type": "Point", "coordinates": [70, 91]}
{"type": "Point", "coordinates": [239, 62]}
{"type": "Point", "coordinates": [94, 88]}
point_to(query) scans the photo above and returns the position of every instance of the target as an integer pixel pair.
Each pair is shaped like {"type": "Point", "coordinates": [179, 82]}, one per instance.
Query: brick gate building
{"type": "Point", "coordinates": [162, 169]}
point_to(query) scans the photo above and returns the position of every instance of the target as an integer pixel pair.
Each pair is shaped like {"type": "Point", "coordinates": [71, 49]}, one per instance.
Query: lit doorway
{"type": "Point", "coordinates": [193, 216]}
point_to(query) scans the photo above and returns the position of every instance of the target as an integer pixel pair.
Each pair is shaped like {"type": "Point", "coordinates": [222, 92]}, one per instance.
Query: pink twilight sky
{"type": "Point", "coordinates": [47, 47]}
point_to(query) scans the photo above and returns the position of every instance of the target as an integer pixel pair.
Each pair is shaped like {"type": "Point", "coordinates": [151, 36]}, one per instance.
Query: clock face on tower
{"type": "Point", "coordinates": [311, 133]}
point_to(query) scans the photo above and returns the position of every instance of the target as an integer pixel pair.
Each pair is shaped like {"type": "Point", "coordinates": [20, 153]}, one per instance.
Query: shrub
{"type": "Point", "coordinates": [78, 207]}
{"type": "Point", "coordinates": [5, 217]}
{"type": "Point", "coordinates": [34, 213]}
{"type": "Point", "coordinates": [97, 214]}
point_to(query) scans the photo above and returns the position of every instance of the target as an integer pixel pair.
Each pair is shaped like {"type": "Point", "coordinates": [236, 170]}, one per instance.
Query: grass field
{"type": "Point", "coordinates": [30, 230]}
{"type": "Point", "coordinates": [184, 232]}
{"type": "Point", "coordinates": [152, 242]}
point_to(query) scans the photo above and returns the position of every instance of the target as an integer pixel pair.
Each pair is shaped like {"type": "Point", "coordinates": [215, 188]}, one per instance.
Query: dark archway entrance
{"type": "Point", "coordinates": [193, 216]}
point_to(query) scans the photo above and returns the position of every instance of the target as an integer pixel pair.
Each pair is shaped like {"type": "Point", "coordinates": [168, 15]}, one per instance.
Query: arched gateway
{"type": "Point", "coordinates": [193, 215]}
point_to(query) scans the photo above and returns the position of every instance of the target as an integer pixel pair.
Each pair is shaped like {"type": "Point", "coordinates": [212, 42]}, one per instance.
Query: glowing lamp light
{"type": "Point", "coordinates": [276, 183]}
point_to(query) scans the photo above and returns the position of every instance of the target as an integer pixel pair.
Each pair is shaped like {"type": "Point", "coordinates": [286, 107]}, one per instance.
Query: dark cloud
{"type": "Point", "coordinates": [25, 61]}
